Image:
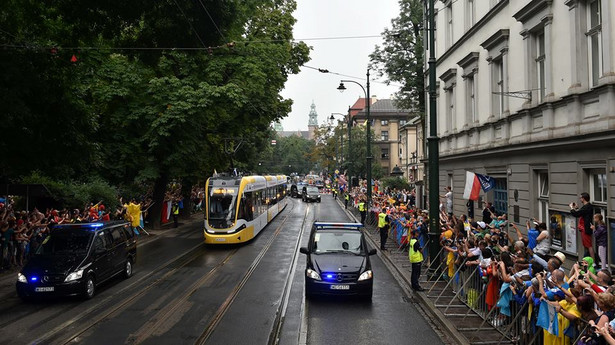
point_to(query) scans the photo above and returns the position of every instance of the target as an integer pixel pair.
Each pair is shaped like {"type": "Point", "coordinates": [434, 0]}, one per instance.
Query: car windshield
{"type": "Point", "coordinates": [312, 190]}
{"type": "Point", "coordinates": [65, 242]}
{"type": "Point", "coordinates": [337, 242]}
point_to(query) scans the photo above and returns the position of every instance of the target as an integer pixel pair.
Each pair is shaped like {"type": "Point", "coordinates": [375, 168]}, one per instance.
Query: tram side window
{"type": "Point", "coordinates": [281, 190]}
{"type": "Point", "coordinates": [246, 210]}
{"type": "Point", "coordinates": [258, 203]}
{"type": "Point", "coordinates": [274, 197]}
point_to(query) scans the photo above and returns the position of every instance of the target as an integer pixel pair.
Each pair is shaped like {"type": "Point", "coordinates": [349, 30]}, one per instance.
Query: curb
{"type": "Point", "coordinates": [444, 325]}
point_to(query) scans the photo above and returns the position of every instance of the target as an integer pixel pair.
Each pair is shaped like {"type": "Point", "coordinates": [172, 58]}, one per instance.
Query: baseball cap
{"type": "Point", "coordinates": [560, 256]}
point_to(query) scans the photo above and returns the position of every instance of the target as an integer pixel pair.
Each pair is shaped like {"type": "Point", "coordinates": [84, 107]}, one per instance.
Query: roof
{"type": "Point", "coordinates": [340, 226]}
{"type": "Point", "coordinates": [302, 134]}
{"type": "Point", "coordinates": [92, 226]}
{"type": "Point", "coordinates": [384, 107]}
{"type": "Point", "coordinates": [359, 105]}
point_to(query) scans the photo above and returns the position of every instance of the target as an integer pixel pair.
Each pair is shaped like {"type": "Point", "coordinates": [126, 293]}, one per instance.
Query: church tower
{"type": "Point", "coordinates": [313, 121]}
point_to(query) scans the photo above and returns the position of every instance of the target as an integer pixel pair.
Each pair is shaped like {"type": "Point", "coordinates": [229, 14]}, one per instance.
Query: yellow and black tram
{"type": "Point", "coordinates": [238, 208]}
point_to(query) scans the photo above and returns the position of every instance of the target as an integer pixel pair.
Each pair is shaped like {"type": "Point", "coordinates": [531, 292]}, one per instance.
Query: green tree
{"type": "Point", "coordinates": [400, 58]}
{"type": "Point", "coordinates": [142, 116]}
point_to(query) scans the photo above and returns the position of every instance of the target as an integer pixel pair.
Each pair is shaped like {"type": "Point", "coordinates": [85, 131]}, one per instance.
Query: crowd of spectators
{"type": "Point", "coordinates": [513, 266]}
{"type": "Point", "coordinates": [22, 232]}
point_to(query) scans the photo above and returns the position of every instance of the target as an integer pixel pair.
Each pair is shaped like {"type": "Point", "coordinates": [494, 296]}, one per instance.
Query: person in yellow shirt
{"type": "Point", "coordinates": [567, 313]}
{"type": "Point", "coordinates": [133, 214]}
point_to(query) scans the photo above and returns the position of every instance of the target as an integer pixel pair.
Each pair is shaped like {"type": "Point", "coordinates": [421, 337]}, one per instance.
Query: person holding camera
{"type": "Point", "coordinates": [585, 215]}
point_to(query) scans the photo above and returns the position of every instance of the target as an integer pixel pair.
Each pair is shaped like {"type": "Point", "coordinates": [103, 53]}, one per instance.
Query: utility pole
{"type": "Point", "coordinates": [433, 143]}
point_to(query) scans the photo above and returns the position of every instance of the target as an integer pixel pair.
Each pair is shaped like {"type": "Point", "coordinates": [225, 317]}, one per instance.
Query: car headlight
{"type": "Point", "coordinates": [74, 276]}
{"type": "Point", "coordinates": [310, 273]}
{"type": "Point", "coordinates": [21, 278]}
{"type": "Point", "coordinates": [366, 275]}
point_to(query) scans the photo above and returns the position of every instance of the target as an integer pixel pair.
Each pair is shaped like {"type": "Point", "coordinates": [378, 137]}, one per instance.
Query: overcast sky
{"type": "Point", "coordinates": [336, 18]}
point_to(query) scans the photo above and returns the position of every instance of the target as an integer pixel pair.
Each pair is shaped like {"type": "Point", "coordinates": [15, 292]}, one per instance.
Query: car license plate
{"type": "Point", "coordinates": [220, 239]}
{"type": "Point", "coordinates": [340, 287]}
{"type": "Point", "coordinates": [44, 289]}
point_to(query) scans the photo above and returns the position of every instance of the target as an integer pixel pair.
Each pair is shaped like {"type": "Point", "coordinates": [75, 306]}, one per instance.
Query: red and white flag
{"type": "Point", "coordinates": [472, 187]}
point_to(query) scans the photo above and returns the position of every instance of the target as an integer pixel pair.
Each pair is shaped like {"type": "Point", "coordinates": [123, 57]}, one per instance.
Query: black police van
{"type": "Point", "coordinates": [338, 261]}
{"type": "Point", "coordinates": [73, 259]}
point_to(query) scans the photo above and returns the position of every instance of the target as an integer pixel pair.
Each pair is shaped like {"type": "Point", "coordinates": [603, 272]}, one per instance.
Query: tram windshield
{"type": "Point", "coordinates": [222, 205]}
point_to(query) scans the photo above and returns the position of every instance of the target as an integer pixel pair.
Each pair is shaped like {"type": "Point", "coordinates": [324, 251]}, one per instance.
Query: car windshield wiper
{"type": "Point", "coordinates": [338, 251]}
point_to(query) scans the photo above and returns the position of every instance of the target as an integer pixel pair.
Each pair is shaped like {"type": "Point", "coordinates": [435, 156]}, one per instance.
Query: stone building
{"type": "Point", "coordinates": [526, 94]}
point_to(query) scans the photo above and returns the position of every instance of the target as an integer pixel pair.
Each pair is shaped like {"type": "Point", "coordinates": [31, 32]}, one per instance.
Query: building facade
{"type": "Point", "coordinates": [411, 150]}
{"type": "Point", "coordinates": [386, 120]}
{"type": "Point", "coordinates": [526, 94]}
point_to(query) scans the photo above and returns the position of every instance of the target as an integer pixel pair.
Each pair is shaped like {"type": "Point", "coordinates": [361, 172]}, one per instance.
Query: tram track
{"type": "Point", "coordinates": [211, 327]}
{"type": "Point", "coordinates": [274, 336]}
{"type": "Point", "coordinates": [90, 318]}
{"type": "Point", "coordinates": [86, 323]}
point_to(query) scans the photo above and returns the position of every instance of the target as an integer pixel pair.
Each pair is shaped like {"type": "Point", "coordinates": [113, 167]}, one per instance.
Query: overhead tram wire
{"type": "Point", "coordinates": [294, 40]}
{"type": "Point", "coordinates": [324, 70]}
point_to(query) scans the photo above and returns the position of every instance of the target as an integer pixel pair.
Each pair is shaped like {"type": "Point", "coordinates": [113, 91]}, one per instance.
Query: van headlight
{"type": "Point", "coordinates": [310, 273]}
{"type": "Point", "coordinates": [74, 276]}
{"type": "Point", "coordinates": [21, 278]}
{"type": "Point", "coordinates": [366, 275]}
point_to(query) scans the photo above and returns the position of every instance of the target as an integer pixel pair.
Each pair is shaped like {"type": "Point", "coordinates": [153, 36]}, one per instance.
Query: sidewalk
{"type": "Point", "coordinates": [460, 323]}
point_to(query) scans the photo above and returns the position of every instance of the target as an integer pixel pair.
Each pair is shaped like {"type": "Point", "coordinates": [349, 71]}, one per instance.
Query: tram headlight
{"type": "Point", "coordinates": [310, 273]}
{"type": "Point", "coordinates": [366, 275]}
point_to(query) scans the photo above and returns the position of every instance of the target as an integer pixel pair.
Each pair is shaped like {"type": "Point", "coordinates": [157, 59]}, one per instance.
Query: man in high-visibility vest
{"type": "Point", "coordinates": [416, 258]}
{"type": "Point", "coordinates": [175, 212]}
{"type": "Point", "coordinates": [362, 210]}
{"type": "Point", "coordinates": [383, 226]}
{"type": "Point", "coordinates": [346, 200]}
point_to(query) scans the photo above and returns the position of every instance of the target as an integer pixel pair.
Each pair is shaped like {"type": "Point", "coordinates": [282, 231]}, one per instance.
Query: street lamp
{"type": "Point", "coordinates": [369, 128]}
{"type": "Point", "coordinates": [348, 157]}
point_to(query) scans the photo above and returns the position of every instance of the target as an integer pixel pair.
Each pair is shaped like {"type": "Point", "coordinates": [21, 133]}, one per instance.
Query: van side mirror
{"type": "Point", "coordinates": [371, 252]}
{"type": "Point", "coordinates": [304, 250]}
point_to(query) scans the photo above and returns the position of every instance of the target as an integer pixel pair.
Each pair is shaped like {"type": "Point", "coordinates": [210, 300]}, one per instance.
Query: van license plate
{"type": "Point", "coordinates": [44, 289]}
{"type": "Point", "coordinates": [340, 287]}
{"type": "Point", "coordinates": [220, 239]}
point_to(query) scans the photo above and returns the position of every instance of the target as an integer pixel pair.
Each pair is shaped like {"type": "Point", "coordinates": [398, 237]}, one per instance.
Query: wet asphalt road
{"type": "Point", "coordinates": [185, 293]}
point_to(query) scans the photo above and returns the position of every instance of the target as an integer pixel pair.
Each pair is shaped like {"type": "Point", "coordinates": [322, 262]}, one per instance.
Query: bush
{"type": "Point", "coordinates": [73, 194]}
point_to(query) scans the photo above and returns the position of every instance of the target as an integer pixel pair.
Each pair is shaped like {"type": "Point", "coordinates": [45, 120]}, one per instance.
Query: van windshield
{"type": "Point", "coordinates": [65, 242]}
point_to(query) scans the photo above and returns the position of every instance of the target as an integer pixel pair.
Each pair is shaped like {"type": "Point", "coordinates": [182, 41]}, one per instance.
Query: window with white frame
{"type": "Point", "coordinates": [543, 195]}
{"type": "Point", "coordinates": [470, 13]}
{"type": "Point", "coordinates": [384, 135]}
{"type": "Point", "coordinates": [540, 55]}
{"type": "Point", "coordinates": [471, 99]}
{"type": "Point", "coordinates": [402, 122]}
{"type": "Point", "coordinates": [598, 186]}
{"type": "Point", "coordinates": [384, 122]}
{"type": "Point", "coordinates": [497, 77]}
{"type": "Point", "coordinates": [449, 24]}
{"type": "Point", "coordinates": [594, 40]}
{"type": "Point", "coordinates": [470, 70]}
{"type": "Point", "coordinates": [450, 108]}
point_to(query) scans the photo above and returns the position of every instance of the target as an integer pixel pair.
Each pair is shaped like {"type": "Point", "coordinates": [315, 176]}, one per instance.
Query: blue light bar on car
{"type": "Point", "coordinates": [33, 279]}
{"type": "Point", "coordinates": [327, 225]}
{"type": "Point", "coordinates": [96, 225]}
